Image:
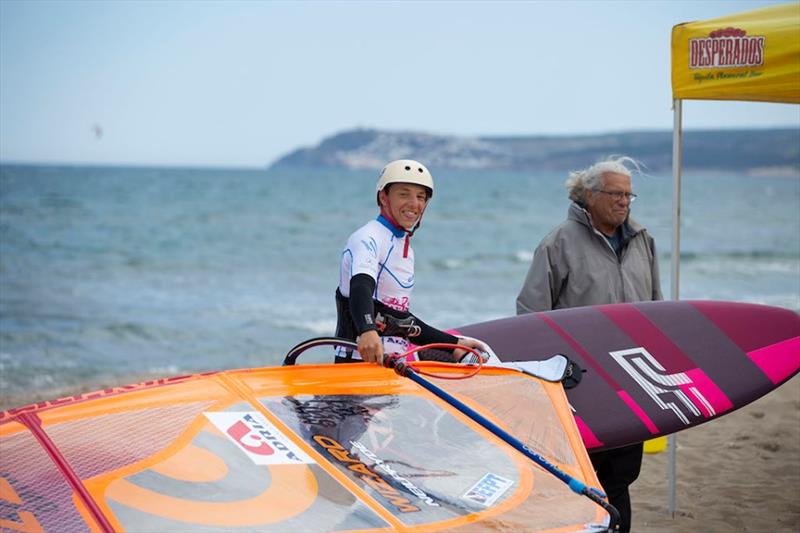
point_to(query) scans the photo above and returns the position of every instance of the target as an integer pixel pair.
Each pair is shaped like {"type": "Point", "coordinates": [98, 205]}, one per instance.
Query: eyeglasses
{"type": "Point", "coordinates": [619, 195]}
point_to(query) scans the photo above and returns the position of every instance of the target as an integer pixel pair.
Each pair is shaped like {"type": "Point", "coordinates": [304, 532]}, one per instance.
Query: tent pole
{"type": "Point", "coordinates": [676, 264]}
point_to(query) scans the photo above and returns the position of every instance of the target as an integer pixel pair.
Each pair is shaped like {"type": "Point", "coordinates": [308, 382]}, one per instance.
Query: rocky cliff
{"type": "Point", "coordinates": [741, 150]}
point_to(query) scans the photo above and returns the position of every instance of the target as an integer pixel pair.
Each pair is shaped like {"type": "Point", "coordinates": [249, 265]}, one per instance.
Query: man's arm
{"type": "Point", "coordinates": [431, 335]}
{"type": "Point", "coordinates": [362, 286]}
{"type": "Point", "coordinates": [654, 273]}
{"type": "Point", "coordinates": [537, 292]}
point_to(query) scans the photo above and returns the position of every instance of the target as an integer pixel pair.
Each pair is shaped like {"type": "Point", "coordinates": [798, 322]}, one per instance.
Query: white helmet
{"type": "Point", "coordinates": [405, 171]}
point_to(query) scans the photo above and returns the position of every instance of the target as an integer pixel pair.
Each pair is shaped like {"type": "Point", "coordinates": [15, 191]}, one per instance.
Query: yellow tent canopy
{"type": "Point", "coordinates": [751, 56]}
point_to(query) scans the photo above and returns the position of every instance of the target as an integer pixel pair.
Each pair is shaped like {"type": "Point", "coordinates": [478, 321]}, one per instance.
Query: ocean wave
{"type": "Point", "coordinates": [457, 263]}
{"type": "Point", "coordinates": [523, 256]}
{"type": "Point", "coordinates": [130, 329]}
{"type": "Point", "coordinates": [324, 326]}
{"type": "Point", "coordinates": [759, 255]}
{"type": "Point", "coordinates": [449, 263]}
{"type": "Point", "coordinates": [774, 260]}
{"type": "Point", "coordinates": [168, 370]}
{"type": "Point", "coordinates": [741, 266]}
{"type": "Point", "coordinates": [27, 382]}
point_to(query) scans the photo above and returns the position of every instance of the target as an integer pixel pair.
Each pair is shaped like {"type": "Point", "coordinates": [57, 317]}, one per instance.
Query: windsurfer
{"type": "Point", "coordinates": [376, 273]}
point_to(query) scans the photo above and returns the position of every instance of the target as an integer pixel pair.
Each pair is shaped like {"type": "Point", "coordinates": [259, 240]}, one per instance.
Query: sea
{"type": "Point", "coordinates": [110, 274]}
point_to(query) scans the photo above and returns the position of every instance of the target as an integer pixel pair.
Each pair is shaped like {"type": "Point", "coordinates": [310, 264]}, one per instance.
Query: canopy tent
{"type": "Point", "coordinates": [753, 56]}
{"type": "Point", "coordinates": [750, 56]}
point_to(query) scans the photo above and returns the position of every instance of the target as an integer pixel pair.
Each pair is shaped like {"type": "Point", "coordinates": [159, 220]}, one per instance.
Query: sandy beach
{"type": "Point", "coordinates": [737, 473]}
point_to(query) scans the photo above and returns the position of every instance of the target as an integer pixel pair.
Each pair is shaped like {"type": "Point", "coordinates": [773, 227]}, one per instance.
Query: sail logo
{"type": "Point", "coordinates": [668, 391]}
{"type": "Point", "coordinates": [357, 468]}
{"type": "Point", "coordinates": [488, 489]}
{"type": "Point", "coordinates": [380, 464]}
{"type": "Point", "coordinates": [258, 438]}
{"type": "Point", "coordinates": [727, 48]}
{"type": "Point", "coordinates": [249, 439]}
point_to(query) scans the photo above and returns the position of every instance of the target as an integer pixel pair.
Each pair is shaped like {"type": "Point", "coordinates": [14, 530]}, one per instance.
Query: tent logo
{"type": "Point", "coordinates": [728, 48]}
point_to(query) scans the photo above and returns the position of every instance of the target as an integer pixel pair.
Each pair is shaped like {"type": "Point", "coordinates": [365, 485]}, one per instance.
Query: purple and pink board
{"type": "Point", "coordinates": [655, 368]}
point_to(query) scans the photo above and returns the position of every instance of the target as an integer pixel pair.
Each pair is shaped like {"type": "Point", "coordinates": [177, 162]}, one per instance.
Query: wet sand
{"type": "Point", "coordinates": [737, 473]}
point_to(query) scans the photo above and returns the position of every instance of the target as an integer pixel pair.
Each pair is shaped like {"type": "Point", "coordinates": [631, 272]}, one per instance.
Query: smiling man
{"type": "Point", "coordinates": [599, 255]}
{"type": "Point", "coordinates": [376, 272]}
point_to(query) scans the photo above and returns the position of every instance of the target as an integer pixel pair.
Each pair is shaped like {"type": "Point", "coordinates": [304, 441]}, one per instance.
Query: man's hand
{"type": "Point", "coordinates": [471, 343]}
{"type": "Point", "coordinates": [370, 347]}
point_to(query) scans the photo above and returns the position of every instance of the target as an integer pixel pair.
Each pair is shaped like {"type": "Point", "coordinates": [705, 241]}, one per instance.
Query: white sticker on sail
{"type": "Point", "coordinates": [488, 489]}
{"type": "Point", "coordinates": [258, 438]}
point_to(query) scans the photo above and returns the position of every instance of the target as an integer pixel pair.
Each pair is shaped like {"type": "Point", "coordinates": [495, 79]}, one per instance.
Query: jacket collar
{"type": "Point", "coordinates": [397, 232]}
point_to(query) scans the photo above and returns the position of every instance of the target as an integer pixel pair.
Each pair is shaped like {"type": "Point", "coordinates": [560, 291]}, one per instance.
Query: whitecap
{"type": "Point", "coordinates": [323, 326]}
{"type": "Point", "coordinates": [164, 370]}
{"type": "Point", "coordinates": [523, 256]}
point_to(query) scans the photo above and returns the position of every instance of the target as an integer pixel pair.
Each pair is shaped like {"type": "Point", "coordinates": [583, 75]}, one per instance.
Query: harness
{"type": "Point", "coordinates": [389, 322]}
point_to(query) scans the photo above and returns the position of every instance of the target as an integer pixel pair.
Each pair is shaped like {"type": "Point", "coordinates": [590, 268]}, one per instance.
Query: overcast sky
{"type": "Point", "coordinates": [209, 83]}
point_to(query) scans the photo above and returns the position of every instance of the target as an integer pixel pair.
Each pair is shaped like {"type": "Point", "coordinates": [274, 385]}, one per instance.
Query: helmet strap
{"type": "Point", "coordinates": [416, 226]}
{"type": "Point", "coordinates": [387, 215]}
{"type": "Point", "coordinates": [409, 233]}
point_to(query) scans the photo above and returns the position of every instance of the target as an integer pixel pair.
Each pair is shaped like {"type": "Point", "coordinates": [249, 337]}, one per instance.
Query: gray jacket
{"type": "Point", "coordinates": [574, 265]}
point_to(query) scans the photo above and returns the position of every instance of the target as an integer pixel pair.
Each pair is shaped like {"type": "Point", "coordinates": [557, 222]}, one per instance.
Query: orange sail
{"type": "Point", "coordinates": [311, 448]}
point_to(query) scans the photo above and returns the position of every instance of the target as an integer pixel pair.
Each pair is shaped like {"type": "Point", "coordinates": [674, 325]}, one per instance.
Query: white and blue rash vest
{"type": "Point", "coordinates": [382, 251]}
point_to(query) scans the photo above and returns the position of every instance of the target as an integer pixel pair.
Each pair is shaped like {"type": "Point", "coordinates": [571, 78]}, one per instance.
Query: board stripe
{"type": "Point", "coordinates": [629, 411]}
{"type": "Point", "coordinates": [644, 333]}
{"type": "Point", "coordinates": [712, 401]}
{"type": "Point", "coordinates": [779, 361]}
{"type": "Point", "coordinates": [751, 326]}
{"type": "Point", "coordinates": [639, 411]}
{"type": "Point", "coordinates": [721, 359]}
{"type": "Point", "coordinates": [578, 348]}
{"type": "Point", "coordinates": [696, 387]}
{"type": "Point", "coordinates": [590, 440]}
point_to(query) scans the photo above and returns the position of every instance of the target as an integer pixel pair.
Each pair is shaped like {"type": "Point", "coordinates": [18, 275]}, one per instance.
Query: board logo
{"type": "Point", "coordinates": [667, 390]}
{"type": "Point", "coordinates": [258, 438]}
{"type": "Point", "coordinates": [727, 47]}
{"type": "Point", "coordinates": [488, 489]}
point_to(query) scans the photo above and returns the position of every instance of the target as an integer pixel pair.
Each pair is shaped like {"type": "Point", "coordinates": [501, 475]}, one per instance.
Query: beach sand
{"type": "Point", "coordinates": [737, 473]}
{"type": "Point", "coordinates": [740, 472]}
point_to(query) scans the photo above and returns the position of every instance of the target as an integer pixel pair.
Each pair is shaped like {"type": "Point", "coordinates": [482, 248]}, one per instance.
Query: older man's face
{"type": "Point", "coordinates": [608, 207]}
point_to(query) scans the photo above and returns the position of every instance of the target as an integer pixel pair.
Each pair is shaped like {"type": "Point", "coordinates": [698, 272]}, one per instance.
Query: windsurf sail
{"type": "Point", "coordinates": [310, 448]}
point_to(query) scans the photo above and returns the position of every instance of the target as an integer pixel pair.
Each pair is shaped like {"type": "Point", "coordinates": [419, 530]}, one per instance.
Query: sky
{"type": "Point", "coordinates": [240, 84]}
